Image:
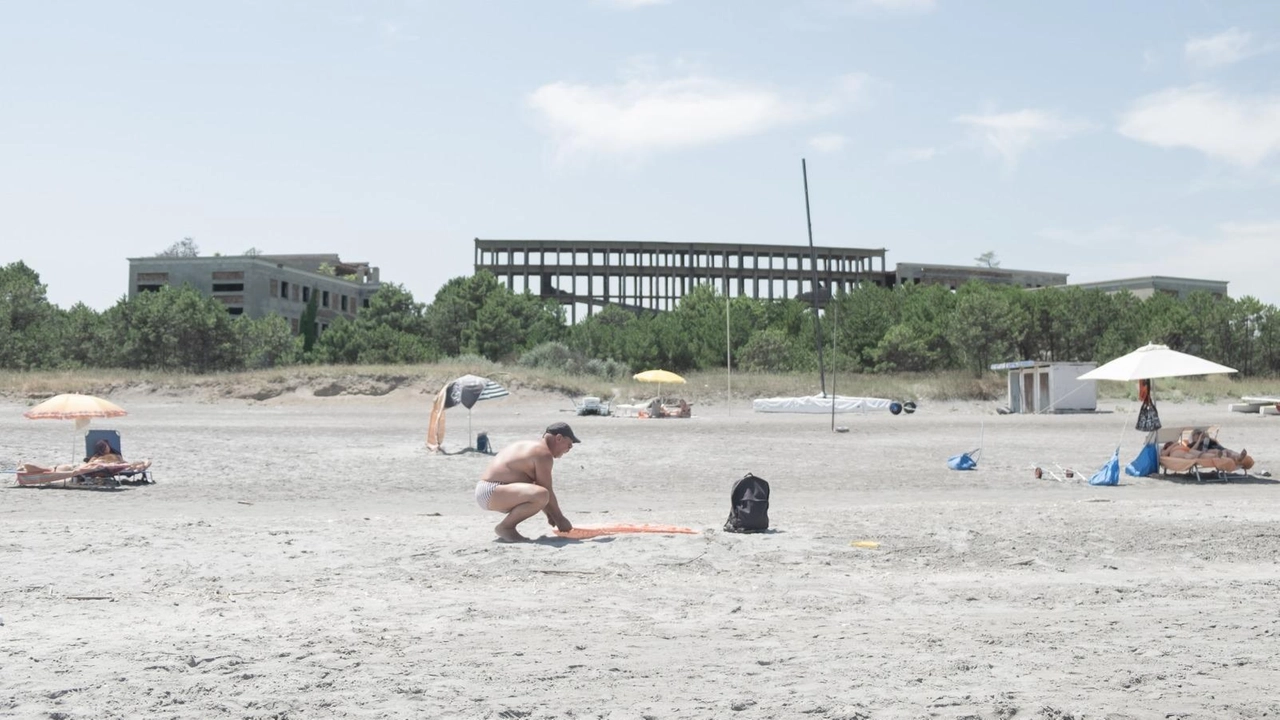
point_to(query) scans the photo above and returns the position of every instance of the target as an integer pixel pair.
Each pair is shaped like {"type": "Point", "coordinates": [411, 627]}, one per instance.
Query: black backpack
{"type": "Point", "coordinates": [748, 506]}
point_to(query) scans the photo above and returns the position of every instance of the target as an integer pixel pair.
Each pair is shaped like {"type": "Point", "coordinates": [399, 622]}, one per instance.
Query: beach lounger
{"type": "Point", "coordinates": [1217, 467]}
{"type": "Point", "coordinates": [678, 408]}
{"type": "Point", "coordinates": [135, 474]}
{"type": "Point", "coordinates": [639, 409]}
{"type": "Point", "coordinates": [86, 476]}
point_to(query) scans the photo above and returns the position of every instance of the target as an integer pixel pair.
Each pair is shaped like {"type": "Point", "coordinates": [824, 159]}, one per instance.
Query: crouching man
{"type": "Point", "coordinates": [518, 482]}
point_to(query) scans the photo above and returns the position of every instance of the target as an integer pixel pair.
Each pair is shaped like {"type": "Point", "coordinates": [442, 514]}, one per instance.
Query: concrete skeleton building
{"type": "Point", "coordinates": [590, 274]}
{"type": "Point", "coordinates": [259, 285]}
{"type": "Point", "coordinates": [655, 275]}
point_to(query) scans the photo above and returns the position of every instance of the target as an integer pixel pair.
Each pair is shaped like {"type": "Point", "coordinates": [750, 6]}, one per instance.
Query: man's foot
{"type": "Point", "coordinates": [507, 534]}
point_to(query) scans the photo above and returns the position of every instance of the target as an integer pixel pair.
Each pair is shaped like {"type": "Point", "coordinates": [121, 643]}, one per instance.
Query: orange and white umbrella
{"type": "Point", "coordinates": [74, 406]}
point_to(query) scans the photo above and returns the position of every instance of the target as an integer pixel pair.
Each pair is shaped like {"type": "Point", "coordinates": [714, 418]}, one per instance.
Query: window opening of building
{"type": "Point", "coordinates": [149, 288]}
{"type": "Point", "coordinates": [284, 289]}
{"type": "Point", "coordinates": [306, 294]}
{"type": "Point", "coordinates": [235, 310]}
{"type": "Point", "coordinates": [344, 303]}
{"type": "Point", "coordinates": [228, 287]}
{"type": "Point", "coordinates": [365, 304]}
{"type": "Point", "coordinates": [324, 299]}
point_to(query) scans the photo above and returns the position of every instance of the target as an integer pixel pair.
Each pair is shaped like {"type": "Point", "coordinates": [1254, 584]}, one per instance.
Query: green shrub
{"type": "Point", "coordinates": [607, 369]}
{"type": "Point", "coordinates": [554, 356]}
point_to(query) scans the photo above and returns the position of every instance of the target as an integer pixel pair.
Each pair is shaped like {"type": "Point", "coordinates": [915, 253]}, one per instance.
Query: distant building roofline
{"type": "Point", "coordinates": [975, 268]}
{"type": "Point", "coordinates": [347, 272]}
{"type": "Point", "coordinates": [492, 244]}
{"type": "Point", "coordinates": [1152, 278]}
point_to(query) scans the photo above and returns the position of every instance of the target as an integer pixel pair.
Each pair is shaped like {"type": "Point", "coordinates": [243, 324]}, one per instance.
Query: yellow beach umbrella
{"type": "Point", "coordinates": [660, 377]}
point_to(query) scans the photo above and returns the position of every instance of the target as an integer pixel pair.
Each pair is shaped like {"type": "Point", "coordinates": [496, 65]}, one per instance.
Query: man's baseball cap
{"type": "Point", "coordinates": [559, 428]}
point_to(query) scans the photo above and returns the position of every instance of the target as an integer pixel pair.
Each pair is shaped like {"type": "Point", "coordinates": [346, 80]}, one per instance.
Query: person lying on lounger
{"type": "Point", "coordinates": [1199, 445]}
{"type": "Point", "coordinates": [518, 482]}
{"type": "Point", "coordinates": [104, 453]}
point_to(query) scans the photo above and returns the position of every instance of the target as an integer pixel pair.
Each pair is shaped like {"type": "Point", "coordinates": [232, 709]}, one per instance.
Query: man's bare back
{"type": "Point", "coordinates": [516, 463]}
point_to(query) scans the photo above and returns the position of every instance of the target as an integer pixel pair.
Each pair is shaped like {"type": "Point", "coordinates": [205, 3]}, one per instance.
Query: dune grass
{"type": "Point", "coordinates": [707, 387]}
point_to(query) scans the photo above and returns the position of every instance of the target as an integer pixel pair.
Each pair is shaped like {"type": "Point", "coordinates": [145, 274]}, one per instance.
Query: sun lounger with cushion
{"type": "Point", "coordinates": [84, 475]}
{"type": "Point", "coordinates": [1219, 465]}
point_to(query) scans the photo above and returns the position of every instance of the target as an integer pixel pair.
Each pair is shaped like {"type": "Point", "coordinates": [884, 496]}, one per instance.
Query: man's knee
{"type": "Point", "coordinates": [539, 496]}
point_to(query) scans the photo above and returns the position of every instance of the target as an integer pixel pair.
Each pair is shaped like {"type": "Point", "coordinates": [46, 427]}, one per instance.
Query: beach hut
{"type": "Point", "coordinates": [1049, 387]}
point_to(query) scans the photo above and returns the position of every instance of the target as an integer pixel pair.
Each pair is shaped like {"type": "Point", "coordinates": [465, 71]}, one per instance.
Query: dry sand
{"type": "Point", "coordinates": [305, 557]}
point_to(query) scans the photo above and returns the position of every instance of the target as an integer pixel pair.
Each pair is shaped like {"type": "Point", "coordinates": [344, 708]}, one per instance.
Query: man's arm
{"type": "Point", "coordinates": [542, 472]}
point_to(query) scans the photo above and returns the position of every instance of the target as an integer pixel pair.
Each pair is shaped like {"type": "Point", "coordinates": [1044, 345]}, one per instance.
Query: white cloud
{"type": "Point", "coordinates": [1239, 130]}
{"type": "Point", "coordinates": [914, 155]}
{"type": "Point", "coordinates": [920, 6]}
{"type": "Point", "coordinates": [633, 4]}
{"type": "Point", "coordinates": [640, 116]}
{"type": "Point", "coordinates": [1114, 241]}
{"type": "Point", "coordinates": [1011, 134]}
{"type": "Point", "coordinates": [828, 142]}
{"type": "Point", "coordinates": [1225, 48]}
{"type": "Point", "coordinates": [1241, 254]}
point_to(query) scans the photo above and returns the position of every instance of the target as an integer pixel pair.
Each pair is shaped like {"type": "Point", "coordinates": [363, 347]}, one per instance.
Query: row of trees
{"type": "Point", "coordinates": [873, 329]}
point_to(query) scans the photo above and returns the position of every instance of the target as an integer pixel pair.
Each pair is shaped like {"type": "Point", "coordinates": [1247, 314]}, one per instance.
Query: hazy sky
{"type": "Point", "coordinates": [1099, 138]}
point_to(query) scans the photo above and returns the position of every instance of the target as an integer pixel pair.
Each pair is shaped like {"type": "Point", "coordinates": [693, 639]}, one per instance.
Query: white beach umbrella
{"type": "Point", "coordinates": [1155, 361]}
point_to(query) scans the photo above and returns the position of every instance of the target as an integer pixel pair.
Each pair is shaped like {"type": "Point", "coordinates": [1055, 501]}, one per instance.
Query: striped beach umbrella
{"type": "Point", "coordinates": [74, 406]}
{"type": "Point", "coordinates": [469, 390]}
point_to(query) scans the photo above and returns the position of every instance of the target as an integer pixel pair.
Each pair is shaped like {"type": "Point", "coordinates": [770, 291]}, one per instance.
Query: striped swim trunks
{"type": "Point", "coordinates": [484, 491]}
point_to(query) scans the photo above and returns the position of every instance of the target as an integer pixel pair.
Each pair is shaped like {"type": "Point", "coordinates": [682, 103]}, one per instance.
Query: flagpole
{"type": "Point", "coordinates": [833, 362]}
{"type": "Point", "coordinates": [728, 358]}
{"type": "Point", "coordinates": [813, 261]}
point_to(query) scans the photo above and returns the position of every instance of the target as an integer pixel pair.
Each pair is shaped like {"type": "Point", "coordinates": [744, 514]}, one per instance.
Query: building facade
{"type": "Point", "coordinates": [655, 275]}
{"type": "Point", "coordinates": [261, 285]}
{"type": "Point", "coordinates": [1145, 287]}
{"type": "Point", "coordinates": [953, 276]}
{"type": "Point", "coordinates": [588, 274]}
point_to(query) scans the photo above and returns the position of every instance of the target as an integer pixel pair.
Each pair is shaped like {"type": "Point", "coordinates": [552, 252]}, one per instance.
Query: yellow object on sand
{"type": "Point", "coordinates": [659, 376]}
{"type": "Point", "coordinates": [74, 406]}
{"type": "Point", "coordinates": [869, 544]}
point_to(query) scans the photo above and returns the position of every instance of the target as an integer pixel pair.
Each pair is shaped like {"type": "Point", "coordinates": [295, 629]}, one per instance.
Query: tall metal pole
{"type": "Point", "coordinates": [835, 358]}
{"type": "Point", "coordinates": [728, 359]}
{"type": "Point", "coordinates": [813, 260]}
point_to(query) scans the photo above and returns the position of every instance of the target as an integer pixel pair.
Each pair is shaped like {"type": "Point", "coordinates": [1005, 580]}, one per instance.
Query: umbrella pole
{"type": "Point", "coordinates": [728, 358]}
{"type": "Point", "coordinates": [469, 443]}
{"type": "Point", "coordinates": [1124, 426]}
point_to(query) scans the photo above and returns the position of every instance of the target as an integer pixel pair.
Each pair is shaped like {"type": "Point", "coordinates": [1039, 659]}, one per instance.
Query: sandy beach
{"type": "Point", "coordinates": [305, 557]}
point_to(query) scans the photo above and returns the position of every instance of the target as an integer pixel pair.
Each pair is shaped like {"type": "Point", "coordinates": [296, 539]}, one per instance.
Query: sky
{"type": "Point", "coordinates": [1105, 140]}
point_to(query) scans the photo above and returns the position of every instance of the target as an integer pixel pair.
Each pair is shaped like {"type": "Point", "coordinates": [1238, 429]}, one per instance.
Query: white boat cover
{"type": "Point", "coordinates": [819, 404]}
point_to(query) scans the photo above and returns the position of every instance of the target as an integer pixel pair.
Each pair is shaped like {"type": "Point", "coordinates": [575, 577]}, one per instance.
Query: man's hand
{"type": "Point", "coordinates": [562, 524]}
